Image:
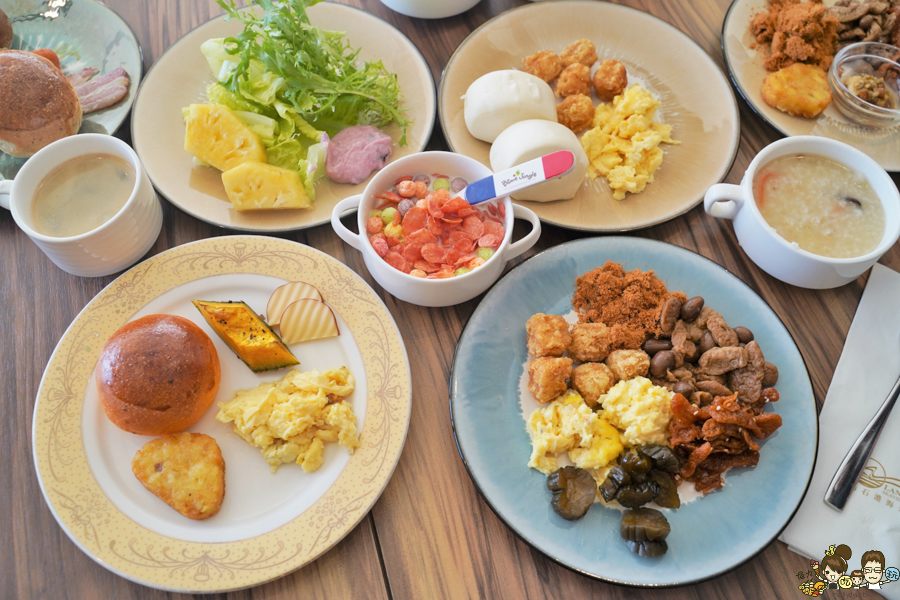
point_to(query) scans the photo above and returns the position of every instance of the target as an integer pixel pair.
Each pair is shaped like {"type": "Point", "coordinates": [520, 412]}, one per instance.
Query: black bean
{"type": "Point", "coordinates": [745, 336]}
{"type": "Point", "coordinates": [707, 342]}
{"type": "Point", "coordinates": [684, 388]}
{"type": "Point", "coordinates": [662, 362]}
{"type": "Point", "coordinates": [653, 346]}
{"type": "Point", "coordinates": [691, 309]}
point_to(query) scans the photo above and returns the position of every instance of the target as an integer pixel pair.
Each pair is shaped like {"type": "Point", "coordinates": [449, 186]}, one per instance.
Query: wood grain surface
{"type": "Point", "coordinates": [430, 535]}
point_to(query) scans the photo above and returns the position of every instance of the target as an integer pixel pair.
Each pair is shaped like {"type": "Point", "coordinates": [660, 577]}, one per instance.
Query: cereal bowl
{"type": "Point", "coordinates": [786, 260]}
{"type": "Point", "coordinates": [864, 65]}
{"type": "Point", "coordinates": [432, 292]}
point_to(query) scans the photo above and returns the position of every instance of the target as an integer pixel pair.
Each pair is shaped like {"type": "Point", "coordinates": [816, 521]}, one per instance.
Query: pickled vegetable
{"type": "Point", "coordinates": [635, 464]}
{"type": "Point", "coordinates": [643, 524]}
{"type": "Point", "coordinates": [644, 531]}
{"type": "Point", "coordinates": [637, 494]}
{"type": "Point", "coordinates": [662, 456]}
{"type": "Point", "coordinates": [667, 497]}
{"type": "Point", "coordinates": [573, 490]}
{"type": "Point", "coordinates": [616, 478]}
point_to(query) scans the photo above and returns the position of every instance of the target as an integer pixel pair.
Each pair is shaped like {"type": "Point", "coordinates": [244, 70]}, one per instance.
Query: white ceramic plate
{"type": "Point", "coordinates": [84, 34]}
{"type": "Point", "coordinates": [269, 524]}
{"type": "Point", "coordinates": [180, 77]}
{"type": "Point", "coordinates": [745, 65]}
{"type": "Point", "coordinates": [694, 94]}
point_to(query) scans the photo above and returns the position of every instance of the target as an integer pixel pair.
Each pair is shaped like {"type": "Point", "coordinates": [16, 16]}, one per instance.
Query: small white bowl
{"type": "Point", "coordinates": [430, 9]}
{"type": "Point", "coordinates": [787, 261]}
{"type": "Point", "coordinates": [432, 292]}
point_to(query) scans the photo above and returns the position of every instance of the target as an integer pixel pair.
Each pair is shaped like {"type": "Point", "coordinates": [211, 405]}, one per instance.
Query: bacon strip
{"type": "Point", "coordinates": [103, 98]}
{"type": "Point", "coordinates": [104, 91]}
{"type": "Point", "coordinates": [82, 76]}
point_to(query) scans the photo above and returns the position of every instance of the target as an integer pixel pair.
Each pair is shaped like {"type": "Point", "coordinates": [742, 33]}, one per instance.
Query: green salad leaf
{"type": "Point", "coordinates": [294, 71]}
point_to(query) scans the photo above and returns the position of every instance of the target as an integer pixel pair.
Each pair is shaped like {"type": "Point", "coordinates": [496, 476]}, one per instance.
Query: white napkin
{"type": "Point", "coordinates": [866, 372]}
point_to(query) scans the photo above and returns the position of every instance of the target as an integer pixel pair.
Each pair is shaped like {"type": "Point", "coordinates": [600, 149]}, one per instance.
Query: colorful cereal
{"type": "Point", "coordinates": [429, 232]}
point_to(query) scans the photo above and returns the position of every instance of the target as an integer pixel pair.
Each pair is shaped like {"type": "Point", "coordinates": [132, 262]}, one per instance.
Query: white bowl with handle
{"type": "Point", "coordinates": [785, 260]}
{"type": "Point", "coordinates": [432, 292]}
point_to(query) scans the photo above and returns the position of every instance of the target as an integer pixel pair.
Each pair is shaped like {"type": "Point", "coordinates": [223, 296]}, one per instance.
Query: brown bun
{"type": "Point", "coordinates": [157, 375]}
{"type": "Point", "coordinates": [38, 105]}
{"type": "Point", "coordinates": [6, 32]}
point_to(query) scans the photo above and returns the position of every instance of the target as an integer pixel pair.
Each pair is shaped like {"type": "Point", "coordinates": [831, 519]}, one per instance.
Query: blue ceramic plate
{"type": "Point", "coordinates": [710, 535]}
{"type": "Point", "coordinates": [84, 33]}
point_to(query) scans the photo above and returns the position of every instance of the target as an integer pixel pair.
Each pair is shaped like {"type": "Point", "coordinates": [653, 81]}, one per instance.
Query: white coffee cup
{"type": "Point", "coordinates": [785, 260]}
{"type": "Point", "coordinates": [107, 249]}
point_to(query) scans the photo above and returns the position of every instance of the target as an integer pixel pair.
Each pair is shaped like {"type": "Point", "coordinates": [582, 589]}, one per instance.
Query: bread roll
{"type": "Point", "coordinates": [157, 375]}
{"type": "Point", "coordinates": [6, 32]}
{"type": "Point", "coordinates": [38, 105]}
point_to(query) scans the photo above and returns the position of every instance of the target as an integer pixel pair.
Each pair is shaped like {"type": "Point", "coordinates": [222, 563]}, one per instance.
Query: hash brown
{"type": "Point", "coordinates": [799, 90]}
{"type": "Point", "coordinates": [184, 470]}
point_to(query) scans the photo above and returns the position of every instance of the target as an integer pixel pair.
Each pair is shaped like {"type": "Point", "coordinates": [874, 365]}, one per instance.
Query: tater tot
{"type": "Point", "coordinates": [610, 79]}
{"type": "Point", "coordinates": [575, 112]}
{"type": "Point", "coordinates": [574, 79]}
{"type": "Point", "coordinates": [580, 51]}
{"type": "Point", "coordinates": [545, 64]}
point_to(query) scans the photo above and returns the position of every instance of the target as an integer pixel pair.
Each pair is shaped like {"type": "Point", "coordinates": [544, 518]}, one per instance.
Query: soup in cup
{"type": "Point", "coordinates": [811, 211]}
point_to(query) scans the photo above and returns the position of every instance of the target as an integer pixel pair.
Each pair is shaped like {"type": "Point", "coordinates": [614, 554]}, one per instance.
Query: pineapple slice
{"type": "Point", "coordinates": [253, 186]}
{"type": "Point", "coordinates": [216, 136]}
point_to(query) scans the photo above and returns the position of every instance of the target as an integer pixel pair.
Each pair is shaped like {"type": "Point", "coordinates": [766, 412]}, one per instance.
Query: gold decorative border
{"type": "Point", "coordinates": [131, 550]}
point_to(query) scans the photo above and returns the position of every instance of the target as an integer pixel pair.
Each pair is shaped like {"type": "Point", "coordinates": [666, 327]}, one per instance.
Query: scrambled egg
{"type": "Point", "coordinates": [623, 145]}
{"type": "Point", "coordinates": [568, 423]}
{"type": "Point", "coordinates": [640, 410]}
{"type": "Point", "coordinates": [291, 419]}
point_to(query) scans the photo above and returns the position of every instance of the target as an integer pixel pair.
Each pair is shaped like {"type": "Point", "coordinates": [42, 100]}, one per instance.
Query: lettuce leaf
{"type": "Point", "coordinates": [281, 58]}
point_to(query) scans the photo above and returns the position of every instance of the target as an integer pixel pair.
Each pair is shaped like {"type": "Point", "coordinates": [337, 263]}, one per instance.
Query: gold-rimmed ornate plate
{"type": "Point", "coordinates": [704, 117]}
{"type": "Point", "coordinates": [180, 77]}
{"type": "Point", "coordinates": [269, 524]}
{"type": "Point", "coordinates": [84, 33]}
{"type": "Point", "coordinates": [744, 59]}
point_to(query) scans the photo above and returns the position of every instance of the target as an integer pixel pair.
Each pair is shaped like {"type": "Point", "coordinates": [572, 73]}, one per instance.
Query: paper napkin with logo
{"type": "Point", "coordinates": [869, 526]}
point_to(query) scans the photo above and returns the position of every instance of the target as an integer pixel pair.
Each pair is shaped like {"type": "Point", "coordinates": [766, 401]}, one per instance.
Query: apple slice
{"type": "Point", "coordinates": [306, 320]}
{"type": "Point", "coordinates": [288, 294]}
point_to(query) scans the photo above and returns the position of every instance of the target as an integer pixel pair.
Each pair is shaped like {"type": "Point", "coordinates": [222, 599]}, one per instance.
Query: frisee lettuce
{"type": "Point", "coordinates": [306, 74]}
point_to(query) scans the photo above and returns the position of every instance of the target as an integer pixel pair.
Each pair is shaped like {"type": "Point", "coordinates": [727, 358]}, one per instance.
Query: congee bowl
{"type": "Point", "coordinates": [786, 260]}
{"type": "Point", "coordinates": [866, 58]}
{"type": "Point", "coordinates": [432, 292]}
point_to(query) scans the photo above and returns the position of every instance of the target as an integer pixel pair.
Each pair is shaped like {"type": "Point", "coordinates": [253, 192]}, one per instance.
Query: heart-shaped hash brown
{"type": "Point", "coordinates": [184, 470]}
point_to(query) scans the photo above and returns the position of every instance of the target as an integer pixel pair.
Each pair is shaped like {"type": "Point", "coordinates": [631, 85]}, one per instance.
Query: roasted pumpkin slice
{"type": "Point", "coordinates": [247, 335]}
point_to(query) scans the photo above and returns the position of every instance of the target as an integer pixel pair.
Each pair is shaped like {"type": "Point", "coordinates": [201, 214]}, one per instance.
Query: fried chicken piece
{"type": "Point", "coordinates": [610, 79]}
{"type": "Point", "coordinates": [628, 364]}
{"type": "Point", "coordinates": [574, 79]}
{"type": "Point", "coordinates": [547, 377]}
{"type": "Point", "coordinates": [545, 64]}
{"type": "Point", "coordinates": [799, 90]}
{"type": "Point", "coordinates": [592, 380]}
{"type": "Point", "coordinates": [547, 335]}
{"type": "Point", "coordinates": [575, 112]}
{"type": "Point", "coordinates": [184, 470]}
{"type": "Point", "coordinates": [590, 342]}
{"type": "Point", "coordinates": [579, 51]}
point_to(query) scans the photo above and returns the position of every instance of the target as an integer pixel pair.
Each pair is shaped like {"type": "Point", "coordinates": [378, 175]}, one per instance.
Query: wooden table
{"type": "Point", "coordinates": [430, 535]}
